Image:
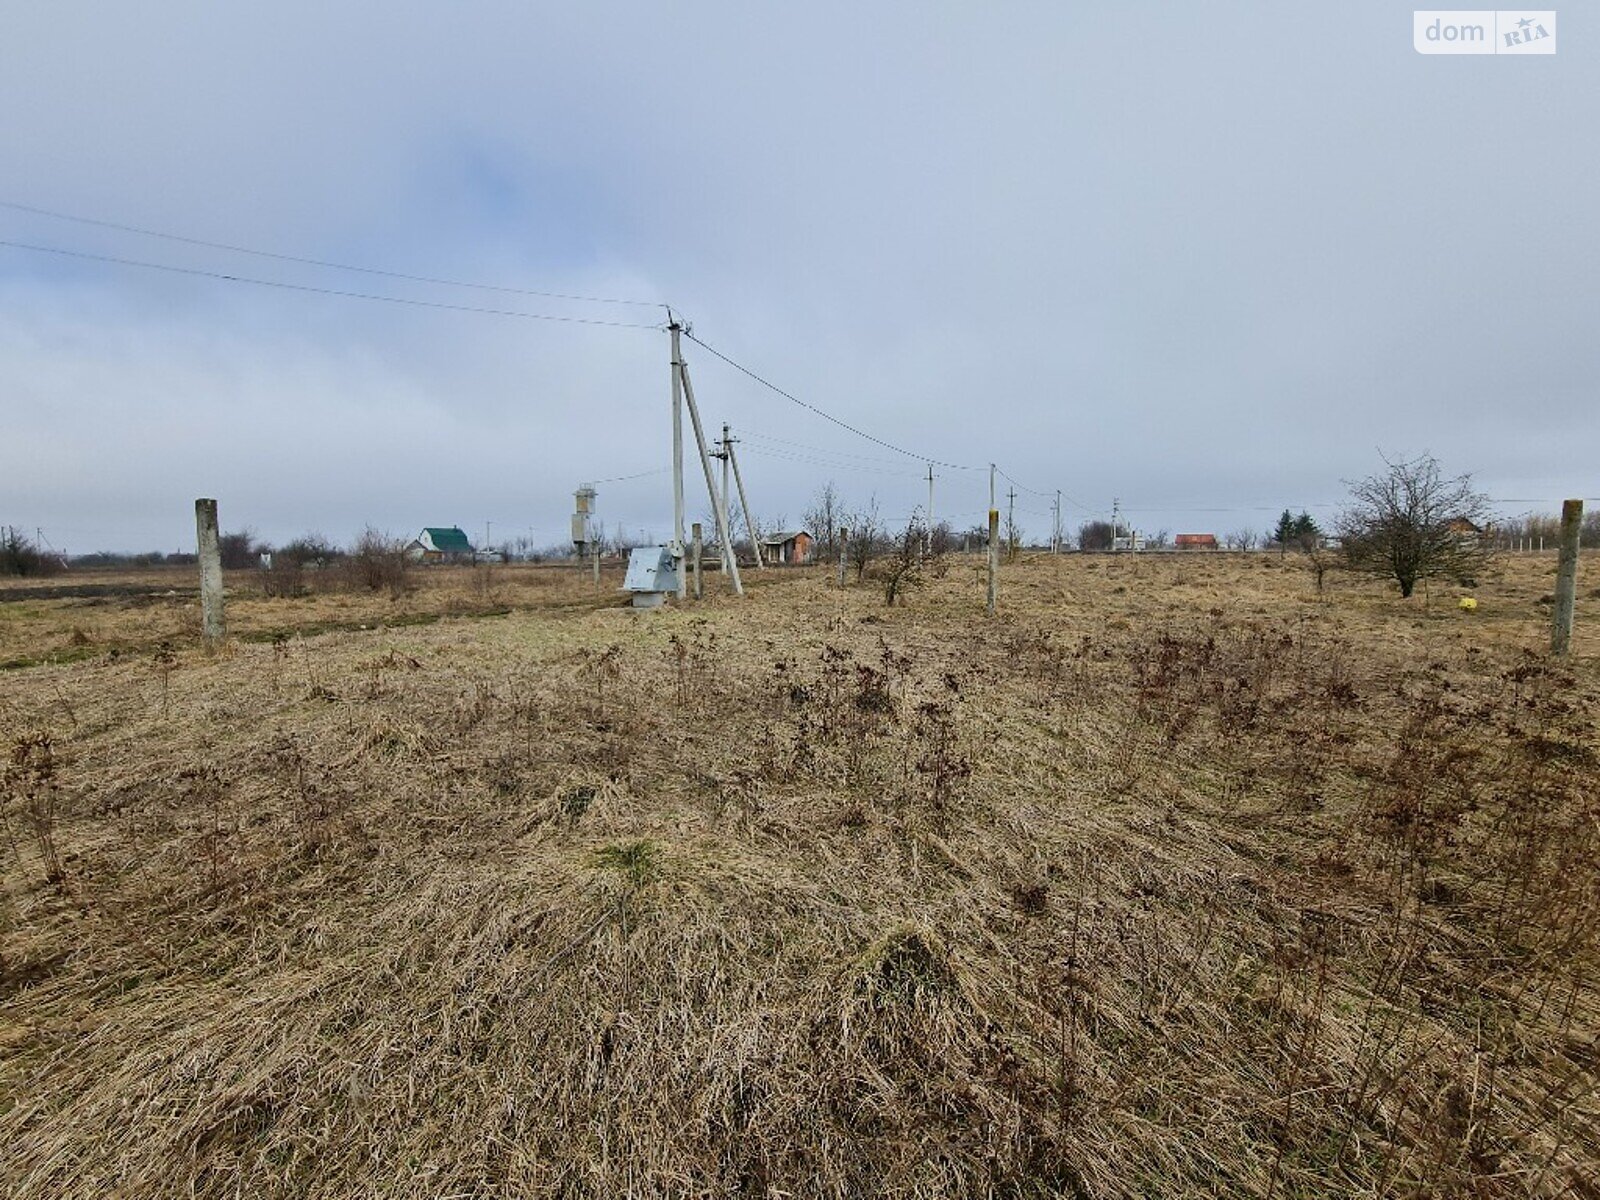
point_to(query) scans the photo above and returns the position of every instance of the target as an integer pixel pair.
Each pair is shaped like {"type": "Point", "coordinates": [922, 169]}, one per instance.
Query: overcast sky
{"type": "Point", "coordinates": [1209, 259]}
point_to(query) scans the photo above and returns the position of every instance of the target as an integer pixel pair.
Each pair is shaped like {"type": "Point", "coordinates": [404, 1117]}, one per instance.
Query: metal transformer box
{"type": "Point", "coordinates": [652, 573]}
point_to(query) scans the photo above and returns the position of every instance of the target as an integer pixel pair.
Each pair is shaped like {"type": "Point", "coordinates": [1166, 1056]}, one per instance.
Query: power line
{"type": "Point", "coordinates": [764, 452]}
{"type": "Point", "coordinates": [318, 262]}
{"type": "Point", "coordinates": [763, 437]}
{"type": "Point", "coordinates": [827, 416]}
{"type": "Point", "coordinates": [625, 478]}
{"type": "Point", "coordinates": [303, 287]}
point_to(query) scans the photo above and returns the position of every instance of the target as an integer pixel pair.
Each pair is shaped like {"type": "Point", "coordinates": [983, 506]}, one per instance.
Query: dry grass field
{"type": "Point", "coordinates": [1175, 878]}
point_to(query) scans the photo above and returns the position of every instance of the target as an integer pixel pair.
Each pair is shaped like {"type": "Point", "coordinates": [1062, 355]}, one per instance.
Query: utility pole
{"type": "Point", "coordinates": [927, 538]}
{"type": "Point", "coordinates": [1011, 525]}
{"type": "Point", "coordinates": [744, 504]}
{"type": "Point", "coordinates": [1055, 537]}
{"type": "Point", "coordinates": [727, 459]}
{"type": "Point", "coordinates": [486, 537]}
{"type": "Point", "coordinates": [213, 628]}
{"type": "Point", "coordinates": [677, 452]}
{"type": "Point", "coordinates": [1566, 578]}
{"type": "Point", "coordinates": [991, 485]}
{"type": "Point", "coordinates": [729, 561]}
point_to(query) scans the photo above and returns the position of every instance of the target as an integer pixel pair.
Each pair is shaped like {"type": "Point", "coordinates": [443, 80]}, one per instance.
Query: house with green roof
{"type": "Point", "coordinates": [440, 544]}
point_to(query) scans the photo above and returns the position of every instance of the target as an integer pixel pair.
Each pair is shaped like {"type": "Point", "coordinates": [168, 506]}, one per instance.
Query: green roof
{"type": "Point", "coordinates": [450, 541]}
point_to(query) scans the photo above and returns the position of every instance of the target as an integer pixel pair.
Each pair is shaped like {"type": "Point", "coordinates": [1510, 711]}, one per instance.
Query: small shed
{"type": "Point", "coordinates": [1195, 541]}
{"type": "Point", "coordinates": [438, 543]}
{"type": "Point", "coordinates": [791, 548]}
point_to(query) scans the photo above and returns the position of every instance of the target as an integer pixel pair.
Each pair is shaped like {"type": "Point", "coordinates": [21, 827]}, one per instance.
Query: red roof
{"type": "Point", "coordinates": [1195, 539]}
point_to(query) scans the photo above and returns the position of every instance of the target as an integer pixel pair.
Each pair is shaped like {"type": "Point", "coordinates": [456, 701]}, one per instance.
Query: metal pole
{"type": "Point", "coordinates": [213, 627]}
{"type": "Point", "coordinates": [677, 453]}
{"type": "Point", "coordinates": [744, 504]}
{"type": "Point", "coordinates": [994, 558]}
{"type": "Point", "coordinates": [1566, 577]}
{"type": "Point", "coordinates": [730, 562]}
{"type": "Point", "coordinates": [694, 563]}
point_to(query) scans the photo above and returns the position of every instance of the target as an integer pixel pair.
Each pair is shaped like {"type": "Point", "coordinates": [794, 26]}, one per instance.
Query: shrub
{"type": "Point", "coordinates": [240, 550]}
{"type": "Point", "coordinates": [19, 555]}
{"type": "Point", "coordinates": [377, 561]}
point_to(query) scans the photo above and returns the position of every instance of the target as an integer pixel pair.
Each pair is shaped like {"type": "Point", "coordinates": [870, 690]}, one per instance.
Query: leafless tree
{"type": "Point", "coordinates": [1242, 539]}
{"type": "Point", "coordinates": [1411, 523]}
{"type": "Point", "coordinates": [901, 568]}
{"type": "Point", "coordinates": [240, 550]}
{"type": "Point", "coordinates": [866, 534]}
{"type": "Point", "coordinates": [1094, 535]}
{"type": "Point", "coordinates": [823, 521]}
{"type": "Point", "coordinates": [20, 556]}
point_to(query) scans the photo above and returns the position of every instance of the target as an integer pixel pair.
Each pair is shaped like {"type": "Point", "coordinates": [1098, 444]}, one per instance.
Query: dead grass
{"type": "Point", "coordinates": [1170, 880]}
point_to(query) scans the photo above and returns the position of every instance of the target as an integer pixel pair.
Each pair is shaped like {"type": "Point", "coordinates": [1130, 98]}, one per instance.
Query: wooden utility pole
{"type": "Point", "coordinates": [994, 558]}
{"type": "Point", "coordinates": [694, 562]}
{"type": "Point", "coordinates": [677, 451]}
{"type": "Point", "coordinates": [744, 503]}
{"type": "Point", "coordinates": [844, 543]}
{"type": "Point", "coordinates": [1566, 577]}
{"type": "Point", "coordinates": [730, 562]}
{"type": "Point", "coordinates": [213, 627]}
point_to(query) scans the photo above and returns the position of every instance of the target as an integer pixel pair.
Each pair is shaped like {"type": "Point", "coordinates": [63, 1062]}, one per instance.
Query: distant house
{"type": "Point", "coordinates": [1195, 541]}
{"type": "Point", "coordinates": [439, 544]}
{"type": "Point", "coordinates": [1464, 526]}
{"type": "Point", "coordinates": [791, 548]}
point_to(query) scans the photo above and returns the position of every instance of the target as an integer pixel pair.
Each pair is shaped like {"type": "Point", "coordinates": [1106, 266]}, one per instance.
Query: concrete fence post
{"type": "Point", "coordinates": [994, 558]}
{"type": "Point", "coordinates": [213, 627]}
{"type": "Point", "coordinates": [697, 548]}
{"type": "Point", "coordinates": [1566, 577]}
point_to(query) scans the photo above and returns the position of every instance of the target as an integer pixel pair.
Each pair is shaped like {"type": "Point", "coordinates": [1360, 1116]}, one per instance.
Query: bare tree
{"type": "Point", "coordinates": [1242, 539]}
{"type": "Point", "coordinates": [1094, 535]}
{"type": "Point", "coordinates": [1589, 531]}
{"type": "Point", "coordinates": [901, 569]}
{"type": "Point", "coordinates": [20, 556]}
{"type": "Point", "coordinates": [1410, 523]}
{"type": "Point", "coordinates": [866, 532]}
{"type": "Point", "coordinates": [240, 549]}
{"type": "Point", "coordinates": [823, 521]}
